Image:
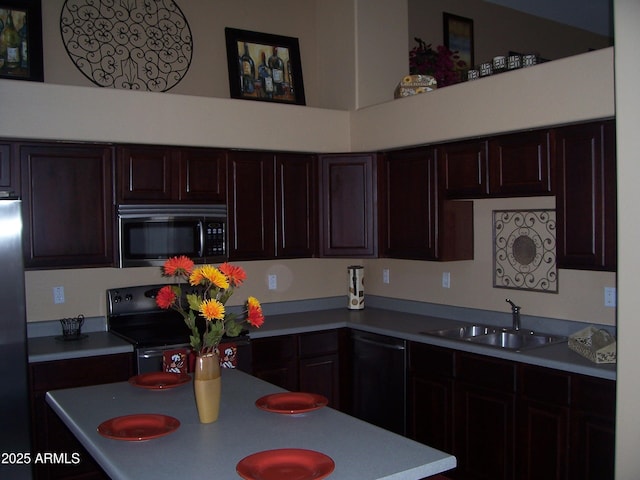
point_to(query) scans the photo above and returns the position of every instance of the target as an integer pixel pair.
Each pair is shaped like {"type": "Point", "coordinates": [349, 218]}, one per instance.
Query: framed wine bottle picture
{"type": "Point", "coordinates": [264, 67]}
{"type": "Point", "coordinates": [21, 40]}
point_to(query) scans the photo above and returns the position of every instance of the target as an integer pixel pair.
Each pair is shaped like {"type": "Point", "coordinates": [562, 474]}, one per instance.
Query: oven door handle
{"type": "Point", "coordinates": [151, 353]}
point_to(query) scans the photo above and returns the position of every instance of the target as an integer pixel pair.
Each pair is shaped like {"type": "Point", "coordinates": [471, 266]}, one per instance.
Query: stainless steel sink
{"type": "Point", "coordinates": [462, 332]}
{"type": "Point", "coordinates": [515, 340]}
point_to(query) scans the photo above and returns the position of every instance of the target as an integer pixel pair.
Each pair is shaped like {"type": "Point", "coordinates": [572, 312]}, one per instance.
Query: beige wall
{"type": "Point", "coordinates": [207, 75]}
{"type": "Point", "coordinates": [472, 280]}
{"type": "Point", "coordinates": [85, 288]}
{"type": "Point", "coordinates": [627, 18]}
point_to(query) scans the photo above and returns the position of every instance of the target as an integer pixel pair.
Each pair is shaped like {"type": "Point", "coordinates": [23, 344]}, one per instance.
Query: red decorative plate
{"type": "Point", "coordinates": [289, 463]}
{"type": "Point", "coordinates": [138, 427]}
{"type": "Point", "coordinates": [159, 380]}
{"type": "Point", "coordinates": [291, 402]}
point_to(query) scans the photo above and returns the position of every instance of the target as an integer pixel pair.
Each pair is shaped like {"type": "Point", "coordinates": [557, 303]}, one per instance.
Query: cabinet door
{"type": "Point", "coordinates": [593, 428]}
{"type": "Point", "coordinates": [409, 204]}
{"type": "Point", "coordinates": [484, 417]}
{"type": "Point", "coordinates": [295, 205]}
{"type": "Point", "coordinates": [430, 396]}
{"type": "Point", "coordinates": [147, 173]}
{"type": "Point", "coordinates": [251, 216]}
{"type": "Point", "coordinates": [203, 175]}
{"type": "Point", "coordinates": [348, 210]}
{"type": "Point", "coordinates": [9, 171]}
{"type": "Point", "coordinates": [543, 419]}
{"type": "Point", "coordinates": [49, 432]}
{"type": "Point", "coordinates": [275, 360]}
{"type": "Point", "coordinates": [67, 205]}
{"type": "Point", "coordinates": [321, 375]}
{"type": "Point", "coordinates": [463, 169]}
{"type": "Point", "coordinates": [521, 164]}
{"type": "Point", "coordinates": [586, 196]}
{"type": "Point", "coordinates": [319, 364]}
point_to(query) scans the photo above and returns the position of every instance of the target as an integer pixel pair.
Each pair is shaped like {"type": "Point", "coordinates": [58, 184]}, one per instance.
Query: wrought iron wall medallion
{"type": "Point", "coordinates": [128, 44]}
{"type": "Point", "coordinates": [525, 250]}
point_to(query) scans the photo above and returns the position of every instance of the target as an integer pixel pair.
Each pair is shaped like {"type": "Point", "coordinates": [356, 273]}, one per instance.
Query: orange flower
{"type": "Point", "coordinates": [165, 297]}
{"type": "Point", "coordinates": [178, 266]}
{"type": "Point", "coordinates": [236, 275]}
{"type": "Point", "coordinates": [254, 314]}
{"type": "Point", "coordinates": [212, 309]}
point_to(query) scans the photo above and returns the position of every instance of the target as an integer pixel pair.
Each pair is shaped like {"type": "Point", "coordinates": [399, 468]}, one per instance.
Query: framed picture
{"type": "Point", "coordinates": [21, 40]}
{"type": "Point", "coordinates": [264, 67]}
{"type": "Point", "coordinates": [458, 37]}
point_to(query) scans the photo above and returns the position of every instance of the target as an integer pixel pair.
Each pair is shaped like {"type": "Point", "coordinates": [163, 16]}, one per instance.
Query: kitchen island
{"type": "Point", "coordinates": [360, 451]}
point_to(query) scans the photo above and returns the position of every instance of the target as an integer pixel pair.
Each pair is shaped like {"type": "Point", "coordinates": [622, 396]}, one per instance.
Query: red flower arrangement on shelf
{"type": "Point", "coordinates": [441, 63]}
{"type": "Point", "coordinates": [212, 288]}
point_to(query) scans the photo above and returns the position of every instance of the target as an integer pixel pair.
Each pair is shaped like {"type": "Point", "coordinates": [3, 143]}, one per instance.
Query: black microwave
{"type": "Point", "coordinates": [149, 234]}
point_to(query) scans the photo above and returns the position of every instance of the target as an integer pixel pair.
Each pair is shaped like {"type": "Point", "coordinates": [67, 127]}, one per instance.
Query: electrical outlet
{"type": "Point", "coordinates": [385, 276]}
{"type": "Point", "coordinates": [273, 282]}
{"type": "Point", "coordinates": [446, 279]}
{"type": "Point", "coordinates": [609, 296]}
{"type": "Point", "coordinates": [58, 294]}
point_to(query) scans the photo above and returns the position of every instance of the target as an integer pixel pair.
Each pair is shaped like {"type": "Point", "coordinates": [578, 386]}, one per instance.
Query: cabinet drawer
{"type": "Point", "coordinates": [273, 350]}
{"type": "Point", "coordinates": [595, 395]}
{"type": "Point", "coordinates": [434, 360]}
{"type": "Point", "coordinates": [545, 385]}
{"type": "Point", "coordinates": [321, 343]}
{"type": "Point", "coordinates": [80, 372]}
{"type": "Point", "coordinates": [486, 372]}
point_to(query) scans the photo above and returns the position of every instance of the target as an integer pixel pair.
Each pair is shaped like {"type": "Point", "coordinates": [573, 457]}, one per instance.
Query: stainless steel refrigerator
{"type": "Point", "coordinates": [14, 400]}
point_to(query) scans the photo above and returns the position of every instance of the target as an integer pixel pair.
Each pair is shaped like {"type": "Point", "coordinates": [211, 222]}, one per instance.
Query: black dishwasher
{"type": "Point", "coordinates": [379, 380]}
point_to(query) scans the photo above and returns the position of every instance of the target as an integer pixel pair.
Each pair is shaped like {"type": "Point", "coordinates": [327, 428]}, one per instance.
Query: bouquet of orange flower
{"type": "Point", "coordinates": [212, 287]}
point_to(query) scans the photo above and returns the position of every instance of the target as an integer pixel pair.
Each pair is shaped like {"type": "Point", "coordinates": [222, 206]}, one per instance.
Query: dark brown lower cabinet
{"type": "Point", "coordinates": [593, 428]}
{"type": "Point", "coordinates": [544, 421]}
{"type": "Point", "coordinates": [507, 420]}
{"type": "Point", "coordinates": [430, 396]}
{"type": "Point", "coordinates": [49, 432]}
{"type": "Point", "coordinates": [484, 422]}
{"type": "Point", "coordinates": [309, 362]}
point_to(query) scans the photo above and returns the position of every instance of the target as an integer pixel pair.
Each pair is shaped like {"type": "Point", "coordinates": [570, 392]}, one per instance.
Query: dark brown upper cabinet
{"type": "Point", "coordinates": [348, 205]}
{"type": "Point", "coordinates": [521, 164]}
{"type": "Point", "coordinates": [271, 205]}
{"type": "Point", "coordinates": [586, 196]}
{"type": "Point", "coordinates": [67, 200]}
{"type": "Point", "coordinates": [415, 223]}
{"type": "Point", "coordinates": [251, 215]}
{"type": "Point", "coordinates": [515, 165]}
{"type": "Point", "coordinates": [464, 169]}
{"type": "Point", "coordinates": [161, 174]}
{"type": "Point", "coordinates": [296, 217]}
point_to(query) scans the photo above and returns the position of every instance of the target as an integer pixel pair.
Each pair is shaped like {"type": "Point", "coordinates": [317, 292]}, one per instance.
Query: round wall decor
{"type": "Point", "coordinates": [128, 44]}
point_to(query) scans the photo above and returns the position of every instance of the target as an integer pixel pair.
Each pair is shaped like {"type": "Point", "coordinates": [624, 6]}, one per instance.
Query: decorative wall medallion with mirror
{"type": "Point", "coordinates": [525, 250]}
{"type": "Point", "coordinates": [130, 45]}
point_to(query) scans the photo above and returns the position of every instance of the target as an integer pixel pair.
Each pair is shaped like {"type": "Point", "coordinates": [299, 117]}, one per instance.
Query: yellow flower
{"type": "Point", "coordinates": [212, 309]}
{"type": "Point", "coordinates": [209, 273]}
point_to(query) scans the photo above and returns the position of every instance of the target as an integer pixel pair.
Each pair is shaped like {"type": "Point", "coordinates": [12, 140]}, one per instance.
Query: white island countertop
{"type": "Point", "coordinates": [360, 450]}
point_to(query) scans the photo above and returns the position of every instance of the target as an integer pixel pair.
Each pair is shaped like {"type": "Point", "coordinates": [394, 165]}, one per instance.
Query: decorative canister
{"type": "Point", "coordinates": [356, 287]}
{"type": "Point", "coordinates": [486, 69]}
{"type": "Point", "coordinates": [473, 74]}
{"type": "Point", "coordinates": [499, 64]}
{"type": "Point", "coordinates": [529, 60]}
{"type": "Point", "coordinates": [513, 62]}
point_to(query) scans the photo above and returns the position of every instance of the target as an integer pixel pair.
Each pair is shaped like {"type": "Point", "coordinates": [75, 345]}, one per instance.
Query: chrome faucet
{"type": "Point", "coordinates": [515, 314]}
